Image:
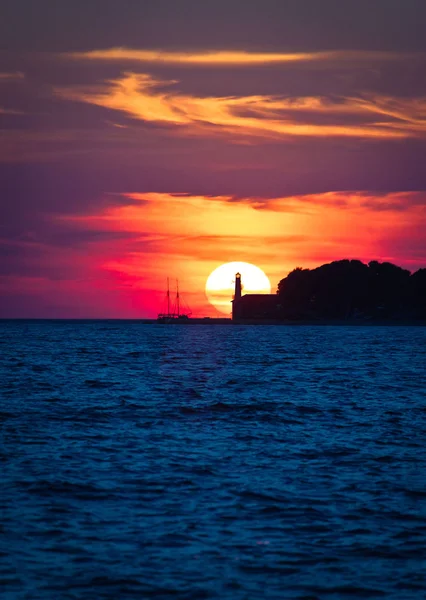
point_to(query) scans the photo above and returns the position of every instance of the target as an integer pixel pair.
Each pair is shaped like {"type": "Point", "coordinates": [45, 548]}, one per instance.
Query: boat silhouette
{"type": "Point", "coordinates": [174, 309]}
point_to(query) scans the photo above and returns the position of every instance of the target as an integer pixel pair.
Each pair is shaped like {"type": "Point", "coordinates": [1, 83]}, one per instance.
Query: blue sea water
{"type": "Point", "coordinates": [197, 462]}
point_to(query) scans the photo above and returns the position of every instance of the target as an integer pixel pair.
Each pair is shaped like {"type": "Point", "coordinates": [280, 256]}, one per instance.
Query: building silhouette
{"type": "Point", "coordinates": [253, 307]}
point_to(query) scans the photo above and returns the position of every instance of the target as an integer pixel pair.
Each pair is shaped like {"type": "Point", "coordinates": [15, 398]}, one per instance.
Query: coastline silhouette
{"type": "Point", "coordinates": [341, 290]}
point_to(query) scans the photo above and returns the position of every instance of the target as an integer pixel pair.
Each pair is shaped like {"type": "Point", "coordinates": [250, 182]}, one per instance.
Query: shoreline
{"type": "Point", "coordinates": [226, 321]}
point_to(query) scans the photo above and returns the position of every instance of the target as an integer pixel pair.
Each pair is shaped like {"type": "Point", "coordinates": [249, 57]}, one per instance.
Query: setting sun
{"type": "Point", "coordinates": [220, 283]}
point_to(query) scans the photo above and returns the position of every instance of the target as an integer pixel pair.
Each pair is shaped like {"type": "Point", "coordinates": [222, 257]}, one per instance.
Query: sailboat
{"type": "Point", "coordinates": [174, 312]}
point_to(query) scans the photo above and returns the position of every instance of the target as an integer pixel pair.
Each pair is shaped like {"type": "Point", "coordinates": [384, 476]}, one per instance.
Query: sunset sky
{"type": "Point", "coordinates": [141, 140]}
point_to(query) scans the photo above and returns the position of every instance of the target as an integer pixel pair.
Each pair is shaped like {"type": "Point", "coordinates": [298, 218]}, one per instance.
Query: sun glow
{"type": "Point", "coordinates": [221, 282]}
{"type": "Point", "coordinates": [278, 234]}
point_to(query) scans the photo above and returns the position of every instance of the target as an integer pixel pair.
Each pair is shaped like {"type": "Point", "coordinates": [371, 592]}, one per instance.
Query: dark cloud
{"type": "Point", "coordinates": [49, 25]}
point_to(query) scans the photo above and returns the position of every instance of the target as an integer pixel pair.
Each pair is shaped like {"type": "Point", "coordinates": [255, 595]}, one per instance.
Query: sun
{"type": "Point", "coordinates": [221, 282]}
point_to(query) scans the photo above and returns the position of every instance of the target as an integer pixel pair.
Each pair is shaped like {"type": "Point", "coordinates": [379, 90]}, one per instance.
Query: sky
{"type": "Point", "coordinates": [143, 140]}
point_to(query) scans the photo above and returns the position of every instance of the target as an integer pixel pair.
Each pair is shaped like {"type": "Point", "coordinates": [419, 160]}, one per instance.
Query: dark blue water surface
{"type": "Point", "coordinates": [231, 462]}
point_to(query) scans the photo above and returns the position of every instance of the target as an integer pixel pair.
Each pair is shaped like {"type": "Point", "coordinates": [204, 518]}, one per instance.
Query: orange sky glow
{"type": "Point", "coordinates": [187, 237]}
{"type": "Point", "coordinates": [127, 161]}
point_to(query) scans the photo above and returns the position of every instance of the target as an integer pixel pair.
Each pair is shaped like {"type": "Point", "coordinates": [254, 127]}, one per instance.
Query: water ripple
{"type": "Point", "coordinates": [141, 461]}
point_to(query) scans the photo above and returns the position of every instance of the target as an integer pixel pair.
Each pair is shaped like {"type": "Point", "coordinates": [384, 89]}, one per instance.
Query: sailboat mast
{"type": "Point", "coordinates": [168, 297]}
{"type": "Point", "coordinates": [177, 297]}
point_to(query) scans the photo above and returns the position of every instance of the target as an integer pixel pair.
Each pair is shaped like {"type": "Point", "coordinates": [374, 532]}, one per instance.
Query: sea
{"type": "Point", "coordinates": [228, 462]}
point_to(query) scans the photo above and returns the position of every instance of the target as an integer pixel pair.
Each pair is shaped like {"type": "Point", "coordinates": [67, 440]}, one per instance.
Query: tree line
{"type": "Point", "coordinates": [350, 289]}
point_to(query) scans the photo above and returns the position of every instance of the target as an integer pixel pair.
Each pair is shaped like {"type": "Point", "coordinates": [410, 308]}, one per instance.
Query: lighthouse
{"type": "Point", "coordinates": [253, 308]}
{"type": "Point", "coordinates": [237, 295]}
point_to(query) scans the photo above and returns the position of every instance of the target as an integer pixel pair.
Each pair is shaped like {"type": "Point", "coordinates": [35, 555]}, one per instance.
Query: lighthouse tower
{"type": "Point", "coordinates": [237, 296]}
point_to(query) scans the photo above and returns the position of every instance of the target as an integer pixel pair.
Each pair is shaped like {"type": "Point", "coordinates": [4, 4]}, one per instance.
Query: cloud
{"type": "Point", "coordinates": [10, 111]}
{"type": "Point", "coordinates": [15, 76]}
{"type": "Point", "coordinates": [145, 98]}
{"type": "Point", "coordinates": [356, 200]}
{"type": "Point", "coordinates": [6, 77]}
{"type": "Point", "coordinates": [232, 58]}
{"type": "Point", "coordinates": [224, 226]}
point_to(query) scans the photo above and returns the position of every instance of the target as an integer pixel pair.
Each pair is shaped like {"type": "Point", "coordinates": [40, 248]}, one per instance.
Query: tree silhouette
{"type": "Point", "coordinates": [350, 289]}
{"type": "Point", "coordinates": [418, 293]}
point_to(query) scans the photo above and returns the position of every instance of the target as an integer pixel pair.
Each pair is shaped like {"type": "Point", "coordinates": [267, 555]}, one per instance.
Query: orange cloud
{"type": "Point", "coordinates": [186, 236]}
{"type": "Point", "coordinates": [223, 58]}
{"type": "Point", "coordinates": [143, 97]}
